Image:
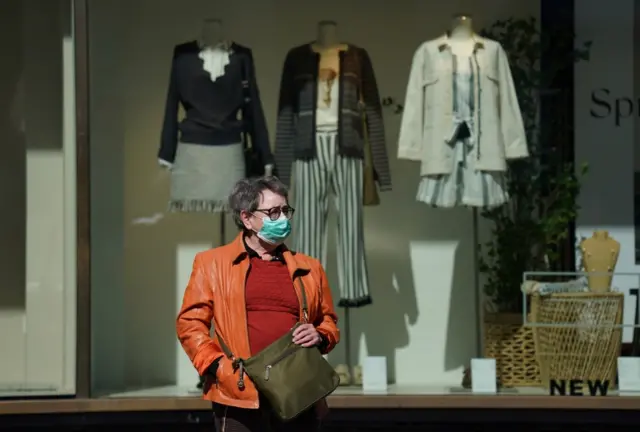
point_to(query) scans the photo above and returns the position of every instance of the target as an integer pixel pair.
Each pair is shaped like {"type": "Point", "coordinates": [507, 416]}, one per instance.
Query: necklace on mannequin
{"type": "Point", "coordinates": [327, 93]}
{"type": "Point", "coordinates": [327, 78]}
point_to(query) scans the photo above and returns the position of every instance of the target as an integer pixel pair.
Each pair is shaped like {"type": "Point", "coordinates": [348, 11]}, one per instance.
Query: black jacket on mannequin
{"type": "Point", "coordinates": [211, 108]}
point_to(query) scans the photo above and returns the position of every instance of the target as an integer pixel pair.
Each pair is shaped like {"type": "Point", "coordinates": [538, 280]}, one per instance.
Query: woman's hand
{"type": "Point", "coordinates": [306, 335]}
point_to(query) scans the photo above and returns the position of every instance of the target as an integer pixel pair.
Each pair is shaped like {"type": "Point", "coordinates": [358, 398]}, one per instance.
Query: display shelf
{"type": "Point", "coordinates": [173, 398]}
{"type": "Point", "coordinates": [176, 391]}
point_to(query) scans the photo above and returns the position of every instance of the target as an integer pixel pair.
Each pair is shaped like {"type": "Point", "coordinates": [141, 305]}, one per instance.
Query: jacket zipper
{"type": "Point", "coordinates": [281, 357]}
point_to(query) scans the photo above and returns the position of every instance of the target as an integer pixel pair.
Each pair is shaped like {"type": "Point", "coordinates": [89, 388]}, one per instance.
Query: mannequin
{"type": "Point", "coordinates": [462, 122]}
{"type": "Point", "coordinates": [472, 74]}
{"type": "Point", "coordinates": [318, 149]}
{"type": "Point", "coordinates": [465, 185]}
{"type": "Point", "coordinates": [600, 255]}
{"type": "Point", "coordinates": [224, 123]}
{"type": "Point", "coordinates": [214, 36]}
{"type": "Point", "coordinates": [329, 102]}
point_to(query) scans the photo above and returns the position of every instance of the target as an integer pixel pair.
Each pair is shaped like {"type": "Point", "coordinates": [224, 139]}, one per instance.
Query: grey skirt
{"type": "Point", "coordinates": [202, 176]}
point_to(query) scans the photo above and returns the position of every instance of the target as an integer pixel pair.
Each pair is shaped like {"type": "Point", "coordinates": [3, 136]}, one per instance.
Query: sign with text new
{"type": "Point", "coordinates": [578, 387]}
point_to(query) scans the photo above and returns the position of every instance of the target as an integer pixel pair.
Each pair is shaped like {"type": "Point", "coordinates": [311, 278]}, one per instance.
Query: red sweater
{"type": "Point", "coordinates": [272, 303]}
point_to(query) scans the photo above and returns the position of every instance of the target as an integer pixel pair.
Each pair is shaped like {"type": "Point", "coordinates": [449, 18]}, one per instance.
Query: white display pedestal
{"type": "Point", "coordinates": [187, 376]}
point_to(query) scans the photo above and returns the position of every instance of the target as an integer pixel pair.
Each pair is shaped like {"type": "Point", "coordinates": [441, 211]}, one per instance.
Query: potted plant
{"type": "Point", "coordinates": [529, 231]}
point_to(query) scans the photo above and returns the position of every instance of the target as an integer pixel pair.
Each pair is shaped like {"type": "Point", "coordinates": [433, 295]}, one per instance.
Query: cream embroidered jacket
{"type": "Point", "coordinates": [428, 122]}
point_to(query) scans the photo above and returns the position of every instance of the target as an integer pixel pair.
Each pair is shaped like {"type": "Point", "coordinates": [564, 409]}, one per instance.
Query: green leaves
{"type": "Point", "coordinates": [528, 232]}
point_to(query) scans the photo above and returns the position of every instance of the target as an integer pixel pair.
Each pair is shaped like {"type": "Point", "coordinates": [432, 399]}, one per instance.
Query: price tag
{"type": "Point", "coordinates": [629, 374]}
{"type": "Point", "coordinates": [374, 375]}
{"type": "Point", "coordinates": [483, 376]}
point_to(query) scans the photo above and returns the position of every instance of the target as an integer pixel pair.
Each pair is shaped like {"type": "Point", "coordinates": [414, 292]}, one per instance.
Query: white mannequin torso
{"type": "Point", "coordinates": [461, 40]}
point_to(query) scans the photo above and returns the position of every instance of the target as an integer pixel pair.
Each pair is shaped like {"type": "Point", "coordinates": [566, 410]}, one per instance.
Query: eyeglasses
{"type": "Point", "coordinates": [275, 212]}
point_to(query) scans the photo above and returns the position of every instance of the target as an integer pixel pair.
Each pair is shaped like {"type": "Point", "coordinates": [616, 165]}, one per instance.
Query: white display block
{"type": "Point", "coordinates": [629, 374]}
{"type": "Point", "coordinates": [374, 375]}
{"type": "Point", "coordinates": [187, 376]}
{"type": "Point", "coordinates": [483, 376]}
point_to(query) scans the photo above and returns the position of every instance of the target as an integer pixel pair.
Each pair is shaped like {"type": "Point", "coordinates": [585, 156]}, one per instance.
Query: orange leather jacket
{"type": "Point", "coordinates": [215, 293]}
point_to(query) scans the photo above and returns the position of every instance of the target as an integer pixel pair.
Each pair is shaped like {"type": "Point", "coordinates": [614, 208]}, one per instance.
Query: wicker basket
{"type": "Point", "coordinates": [587, 345]}
{"type": "Point", "coordinates": [513, 347]}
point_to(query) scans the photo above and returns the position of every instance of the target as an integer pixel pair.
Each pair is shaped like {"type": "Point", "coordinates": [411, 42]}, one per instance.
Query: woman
{"type": "Point", "coordinates": [246, 289]}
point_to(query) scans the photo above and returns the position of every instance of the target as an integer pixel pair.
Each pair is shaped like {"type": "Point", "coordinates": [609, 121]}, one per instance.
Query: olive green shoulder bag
{"type": "Point", "coordinates": [292, 378]}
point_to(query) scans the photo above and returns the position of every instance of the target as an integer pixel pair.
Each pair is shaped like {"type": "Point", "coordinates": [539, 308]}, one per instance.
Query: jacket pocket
{"type": "Point", "coordinates": [430, 80]}
{"type": "Point", "coordinates": [224, 373]}
{"type": "Point", "coordinates": [492, 74]}
{"type": "Point", "coordinates": [429, 99]}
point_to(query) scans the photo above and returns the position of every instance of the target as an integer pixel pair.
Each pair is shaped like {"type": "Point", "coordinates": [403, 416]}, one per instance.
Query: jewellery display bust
{"type": "Point", "coordinates": [600, 255]}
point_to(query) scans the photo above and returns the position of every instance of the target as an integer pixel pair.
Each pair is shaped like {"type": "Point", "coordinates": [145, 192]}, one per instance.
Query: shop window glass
{"type": "Point", "coordinates": [167, 146]}
{"type": "Point", "coordinates": [606, 109]}
{"type": "Point", "coordinates": [37, 186]}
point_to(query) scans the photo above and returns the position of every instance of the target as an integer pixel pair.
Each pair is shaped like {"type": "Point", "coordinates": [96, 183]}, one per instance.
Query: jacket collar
{"type": "Point", "coordinates": [294, 263]}
{"type": "Point", "coordinates": [443, 42]}
{"type": "Point", "coordinates": [225, 45]}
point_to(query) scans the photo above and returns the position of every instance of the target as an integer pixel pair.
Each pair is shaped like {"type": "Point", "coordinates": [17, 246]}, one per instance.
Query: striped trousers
{"type": "Point", "coordinates": [315, 181]}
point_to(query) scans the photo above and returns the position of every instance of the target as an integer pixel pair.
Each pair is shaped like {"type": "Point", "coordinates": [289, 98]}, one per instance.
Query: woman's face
{"type": "Point", "coordinates": [269, 202]}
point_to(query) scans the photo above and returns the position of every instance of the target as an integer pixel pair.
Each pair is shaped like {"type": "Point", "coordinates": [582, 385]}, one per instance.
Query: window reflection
{"type": "Point", "coordinates": [37, 186]}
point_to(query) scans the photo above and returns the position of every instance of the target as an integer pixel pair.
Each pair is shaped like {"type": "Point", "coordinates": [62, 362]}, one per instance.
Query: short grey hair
{"type": "Point", "coordinates": [245, 195]}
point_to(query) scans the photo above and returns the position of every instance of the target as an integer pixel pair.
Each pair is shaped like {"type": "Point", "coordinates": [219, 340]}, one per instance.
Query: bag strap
{"type": "Point", "coordinates": [305, 306]}
{"type": "Point", "coordinates": [223, 345]}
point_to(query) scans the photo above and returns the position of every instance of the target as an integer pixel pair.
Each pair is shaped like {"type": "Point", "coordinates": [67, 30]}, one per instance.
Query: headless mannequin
{"type": "Point", "coordinates": [213, 35]}
{"type": "Point", "coordinates": [328, 46]}
{"type": "Point", "coordinates": [600, 254]}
